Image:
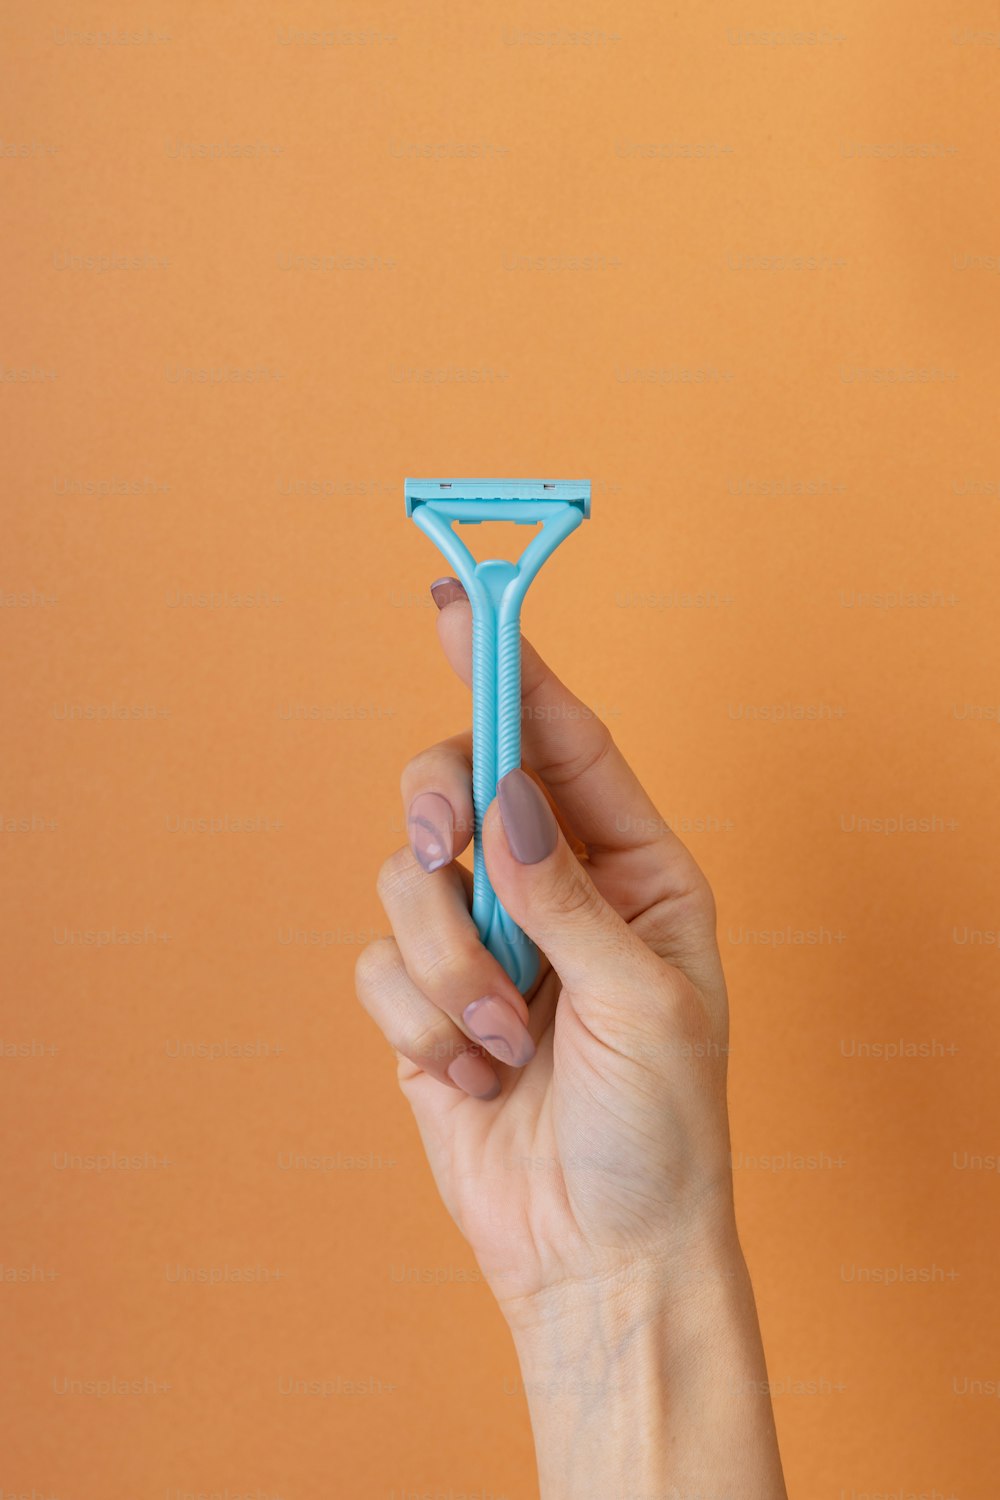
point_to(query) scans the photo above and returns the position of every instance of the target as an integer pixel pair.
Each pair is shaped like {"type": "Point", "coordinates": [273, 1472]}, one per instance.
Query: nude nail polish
{"type": "Point", "coordinates": [474, 1075]}
{"type": "Point", "coordinates": [528, 820]}
{"type": "Point", "coordinates": [446, 591]}
{"type": "Point", "coordinates": [430, 824]}
{"type": "Point", "coordinates": [496, 1024]}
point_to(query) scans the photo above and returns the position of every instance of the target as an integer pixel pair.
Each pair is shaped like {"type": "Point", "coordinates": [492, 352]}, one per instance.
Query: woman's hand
{"type": "Point", "coordinates": [580, 1140]}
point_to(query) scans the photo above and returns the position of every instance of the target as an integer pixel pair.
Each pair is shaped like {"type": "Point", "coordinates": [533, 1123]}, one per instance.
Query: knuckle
{"type": "Point", "coordinates": [598, 745]}
{"type": "Point", "coordinates": [445, 968]}
{"type": "Point", "coordinates": [427, 1045]}
{"type": "Point", "coordinates": [415, 769]}
{"type": "Point", "coordinates": [680, 929]}
{"type": "Point", "coordinates": [703, 901]}
{"type": "Point", "coordinates": [601, 744]}
{"type": "Point", "coordinates": [685, 1020]}
{"type": "Point", "coordinates": [396, 875]}
{"type": "Point", "coordinates": [573, 894]}
{"type": "Point", "coordinates": [429, 766]}
{"type": "Point", "coordinates": [680, 1005]}
{"type": "Point", "coordinates": [373, 965]}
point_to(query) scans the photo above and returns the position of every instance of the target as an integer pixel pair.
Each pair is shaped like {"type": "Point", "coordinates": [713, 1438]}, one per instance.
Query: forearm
{"type": "Point", "coordinates": [654, 1388]}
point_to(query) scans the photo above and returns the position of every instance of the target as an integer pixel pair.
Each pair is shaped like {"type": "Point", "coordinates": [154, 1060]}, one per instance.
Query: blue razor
{"type": "Point", "coordinates": [496, 590]}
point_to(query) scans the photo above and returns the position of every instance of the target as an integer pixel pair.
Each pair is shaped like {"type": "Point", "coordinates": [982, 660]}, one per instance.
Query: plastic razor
{"type": "Point", "coordinates": [496, 589]}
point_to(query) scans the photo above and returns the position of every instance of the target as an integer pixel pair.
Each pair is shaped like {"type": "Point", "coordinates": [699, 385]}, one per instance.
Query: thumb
{"type": "Point", "coordinates": [549, 894]}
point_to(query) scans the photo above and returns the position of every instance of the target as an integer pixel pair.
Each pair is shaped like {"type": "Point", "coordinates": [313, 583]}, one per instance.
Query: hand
{"type": "Point", "coordinates": [580, 1140]}
{"type": "Point", "coordinates": [607, 1140]}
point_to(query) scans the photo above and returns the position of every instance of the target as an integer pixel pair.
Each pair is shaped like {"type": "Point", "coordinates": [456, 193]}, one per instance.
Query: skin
{"type": "Point", "coordinates": [595, 1189]}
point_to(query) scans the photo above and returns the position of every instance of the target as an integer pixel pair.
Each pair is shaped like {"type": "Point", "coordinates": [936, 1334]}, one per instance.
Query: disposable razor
{"type": "Point", "coordinates": [496, 589]}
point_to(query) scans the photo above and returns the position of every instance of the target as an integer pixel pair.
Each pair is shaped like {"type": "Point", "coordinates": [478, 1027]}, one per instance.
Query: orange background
{"type": "Point", "coordinates": [724, 610]}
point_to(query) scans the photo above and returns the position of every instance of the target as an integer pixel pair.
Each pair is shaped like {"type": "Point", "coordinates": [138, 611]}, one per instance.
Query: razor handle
{"type": "Point", "coordinates": [496, 591]}
{"type": "Point", "coordinates": [496, 748]}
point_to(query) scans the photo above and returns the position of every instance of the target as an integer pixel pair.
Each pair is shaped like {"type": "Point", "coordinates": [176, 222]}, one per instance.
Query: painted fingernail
{"type": "Point", "coordinates": [474, 1075]}
{"type": "Point", "coordinates": [430, 824]}
{"type": "Point", "coordinates": [446, 591]}
{"type": "Point", "coordinates": [528, 821]}
{"type": "Point", "coordinates": [495, 1023]}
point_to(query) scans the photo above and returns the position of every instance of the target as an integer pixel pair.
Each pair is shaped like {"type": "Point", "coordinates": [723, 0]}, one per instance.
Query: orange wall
{"type": "Point", "coordinates": [802, 530]}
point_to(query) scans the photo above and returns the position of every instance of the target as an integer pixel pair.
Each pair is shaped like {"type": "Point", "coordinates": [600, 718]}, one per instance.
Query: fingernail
{"type": "Point", "coordinates": [474, 1075]}
{"type": "Point", "coordinates": [531, 829]}
{"type": "Point", "coordinates": [494, 1023]}
{"type": "Point", "coordinates": [431, 825]}
{"type": "Point", "coordinates": [446, 591]}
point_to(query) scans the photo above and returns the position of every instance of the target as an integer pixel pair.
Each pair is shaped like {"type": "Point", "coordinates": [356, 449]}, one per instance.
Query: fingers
{"type": "Point", "coordinates": [445, 960]}
{"type": "Point", "coordinates": [437, 795]}
{"type": "Point", "coordinates": [415, 1027]}
{"type": "Point", "coordinates": [549, 893]}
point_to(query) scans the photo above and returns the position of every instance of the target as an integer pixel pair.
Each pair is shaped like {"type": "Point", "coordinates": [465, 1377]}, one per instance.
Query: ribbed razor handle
{"type": "Point", "coordinates": [496, 749]}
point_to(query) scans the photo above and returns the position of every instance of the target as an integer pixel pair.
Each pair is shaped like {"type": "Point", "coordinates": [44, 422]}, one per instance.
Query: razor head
{"type": "Point", "coordinates": [497, 499]}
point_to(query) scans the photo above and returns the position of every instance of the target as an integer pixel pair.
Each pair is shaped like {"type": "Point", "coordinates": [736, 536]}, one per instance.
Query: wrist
{"type": "Point", "coordinates": [651, 1381]}
{"type": "Point", "coordinates": [621, 1286]}
{"type": "Point", "coordinates": [646, 1309]}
